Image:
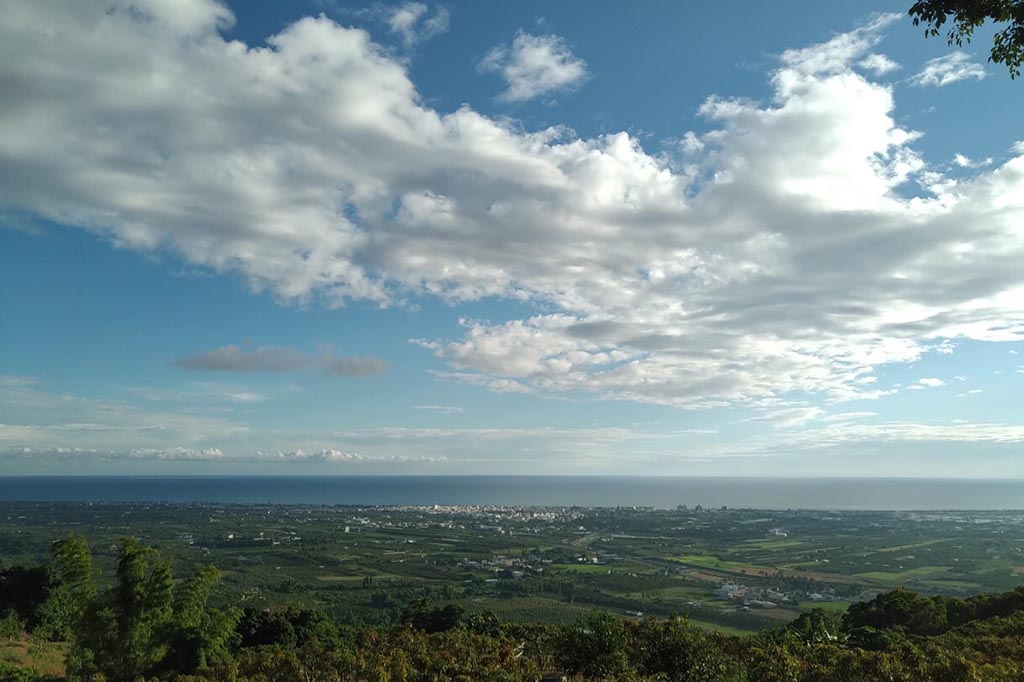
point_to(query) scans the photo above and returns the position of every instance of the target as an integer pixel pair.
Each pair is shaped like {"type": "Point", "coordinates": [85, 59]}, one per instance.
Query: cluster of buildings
{"type": "Point", "coordinates": [514, 567]}
{"type": "Point", "coordinates": [764, 597]}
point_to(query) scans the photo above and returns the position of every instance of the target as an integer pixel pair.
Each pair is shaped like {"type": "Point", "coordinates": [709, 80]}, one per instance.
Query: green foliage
{"type": "Point", "coordinates": [73, 588]}
{"type": "Point", "coordinates": [259, 627]}
{"type": "Point", "coordinates": [11, 626]}
{"type": "Point", "coordinates": [143, 626]}
{"type": "Point", "coordinates": [677, 652]}
{"type": "Point", "coordinates": [594, 648]}
{"type": "Point", "coordinates": [198, 635]}
{"type": "Point", "coordinates": [12, 673]}
{"type": "Point", "coordinates": [421, 615]}
{"type": "Point", "coordinates": [23, 591]}
{"type": "Point", "coordinates": [818, 626]}
{"type": "Point", "coordinates": [967, 15]}
{"type": "Point", "coordinates": [485, 623]}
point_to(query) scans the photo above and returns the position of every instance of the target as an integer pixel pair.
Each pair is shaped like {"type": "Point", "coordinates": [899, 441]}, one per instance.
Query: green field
{"type": "Point", "coordinates": [904, 576]}
{"type": "Point", "coordinates": [827, 605]}
{"type": "Point", "coordinates": [538, 565]}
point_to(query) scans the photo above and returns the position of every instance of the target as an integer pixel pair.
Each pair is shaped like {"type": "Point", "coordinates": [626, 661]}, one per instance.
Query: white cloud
{"type": "Point", "coordinates": [848, 416]}
{"type": "Point", "coordinates": [784, 259]}
{"type": "Point", "coordinates": [203, 392]}
{"type": "Point", "coordinates": [42, 429]}
{"type": "Point", "coordinates": [931, 382]}
{"type": "Point", "coordinates": [413, 22]}
{"type": "Point", "coordinates": [967, 162]}
{"type": "Point", "coordinates": [40, 420]}
{"type": "Point", "coordinates": [843, 50]}
{"type": "Point", "coordinates": [439, 409]}
{"type": "Point", "coordinates": [409, 22]}
{"type": "Point", "coordinates": [533, 66]}
{"type": "Point", "coordinates": [878, 64]}
{"type": "Point", "coordinates": [948, 69]}
{"type": "Point", "coordinates": [790, 417]}
{"type": "Point", "coordinates": [913, 432]}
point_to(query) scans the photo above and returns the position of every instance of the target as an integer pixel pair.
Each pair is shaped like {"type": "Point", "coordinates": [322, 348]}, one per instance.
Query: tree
{"type": "Point", "coordinates": [199, 636]}
{"type": "Point", "coordinates": [900, 609]}
{"type": "Point", "coordinates": [420, 615]}
{"type": "Point", "coordinates": [73, 587]}
{"type": "Point", "coordinates": [595, 648]}
{"type": "Point", "coordinates": [119, 634]}
{"type": "Point", "coordinates": [678, 652]}
{"type": "Point", "coordinates": [143, 626]}
{"type": "Point", "coordinates": [967, 15]}
{"type": "Point", "coordinates": [818, 626]}
{"type": "Point", "coordinates": [23, 591]}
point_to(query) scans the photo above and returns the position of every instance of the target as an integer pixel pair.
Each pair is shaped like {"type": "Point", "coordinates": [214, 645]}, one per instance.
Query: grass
{"type": "Point", "coordinates": [780, 614]}
{"type": "Point", "coordinates": [923, 543]}
{"type": "Point", "coordinates": [709, 561]}
{"type": "Point", "coordinates": [715, 627]}
{"type": "Point", "coordinates": [827, 605]}
{"type": "Point", "coordinates": [45, 658]}
{"type": "Point", "coordinates": [675, 592]}
{"type": "Point", "coordinates": [903, 576]}
{"type": "Point", "coordinates": [958, 585]}
{"type": "Point", "coordinates": [772, 544]}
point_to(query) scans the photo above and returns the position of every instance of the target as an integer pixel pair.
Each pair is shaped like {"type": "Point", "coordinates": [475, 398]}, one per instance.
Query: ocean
{"type": "Point", "coordinates": [585, 491]}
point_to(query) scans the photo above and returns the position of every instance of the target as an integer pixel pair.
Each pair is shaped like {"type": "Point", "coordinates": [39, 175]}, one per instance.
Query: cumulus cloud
{"type": "Point", "coordinates": [931, 382]}
{"type": "Point", "coordinates": [280, 359]}
{"type": "Point", "coordinates": [182, 454]}
{"type": "Point", "coordinates": [534, 66]}
{"type": "Point", "coordinates": [787, 256]}
{"type": "Point", "coordinates": [71, 454]}
{"type": "Point", "coordinates": [948, 69]}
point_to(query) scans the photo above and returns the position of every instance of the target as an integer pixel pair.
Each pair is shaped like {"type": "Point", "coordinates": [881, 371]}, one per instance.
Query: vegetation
{"type": "Point", "coordinates": [149, 626]}
{"type": "Point", "coordinates": [508, 594]}
{"type": "Point", "coordinates": [965, 16]}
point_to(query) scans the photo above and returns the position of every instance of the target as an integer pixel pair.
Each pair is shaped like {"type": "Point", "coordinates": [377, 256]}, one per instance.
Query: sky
{"type": "Point", "coordinates": [758, 239]}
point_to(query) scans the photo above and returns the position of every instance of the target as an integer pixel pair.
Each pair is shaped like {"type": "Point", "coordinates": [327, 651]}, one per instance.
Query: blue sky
{"type": "Point", "coordinates": [546, 238]}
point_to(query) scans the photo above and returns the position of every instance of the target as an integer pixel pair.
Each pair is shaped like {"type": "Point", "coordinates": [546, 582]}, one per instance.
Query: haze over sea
{"type": "Point", "coordinates": [603, 491]}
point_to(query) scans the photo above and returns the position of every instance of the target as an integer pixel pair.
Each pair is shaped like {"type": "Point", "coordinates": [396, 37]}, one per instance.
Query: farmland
{"type": "Point", "coordinates": [736, 570]}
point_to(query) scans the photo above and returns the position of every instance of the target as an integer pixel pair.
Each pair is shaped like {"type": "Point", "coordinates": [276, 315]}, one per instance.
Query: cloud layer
{"type": "Point", "coordinates": [796, 248]}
